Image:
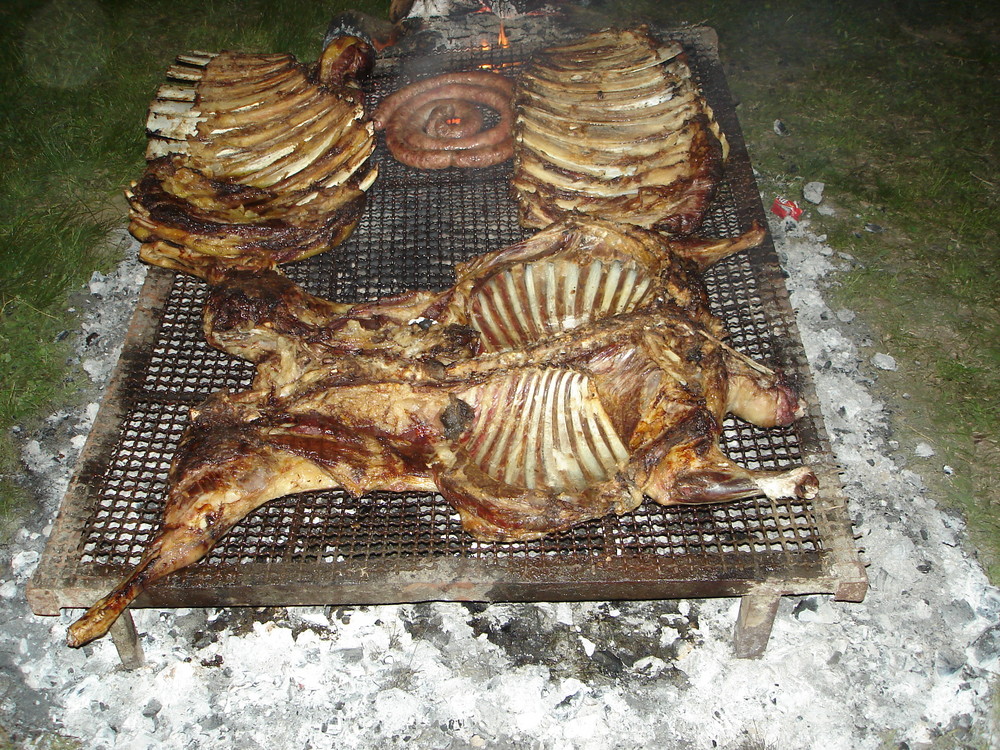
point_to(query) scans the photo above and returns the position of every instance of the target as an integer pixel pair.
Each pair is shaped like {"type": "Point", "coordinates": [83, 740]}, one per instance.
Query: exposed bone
{"type": "Point", "coordinates": [569, 417]}
{"type": "Point", "coordinates": [614, 126]}
{"type": "Point", "coordinates": [252, 163]}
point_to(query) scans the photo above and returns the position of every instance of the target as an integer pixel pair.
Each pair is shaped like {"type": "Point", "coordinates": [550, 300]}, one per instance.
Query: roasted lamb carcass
{"type": "Point", "coordinates": [254, 160]}
{"type": "Point", "coordinates": [614, 126]}
{"type": "Point", "coordinates": [560, 379]}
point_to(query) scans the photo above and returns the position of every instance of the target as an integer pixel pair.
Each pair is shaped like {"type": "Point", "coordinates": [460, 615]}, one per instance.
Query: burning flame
{"type": "Point", "coordinates": [502, 39]}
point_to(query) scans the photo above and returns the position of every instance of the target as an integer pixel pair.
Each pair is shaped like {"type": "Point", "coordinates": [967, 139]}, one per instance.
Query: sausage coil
{"type": "Point", "coordinates": [437, 122]}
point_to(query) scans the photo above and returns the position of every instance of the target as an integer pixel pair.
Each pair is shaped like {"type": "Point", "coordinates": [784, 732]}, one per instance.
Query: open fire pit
{"type": "Point", "coordinates": [327, 548]}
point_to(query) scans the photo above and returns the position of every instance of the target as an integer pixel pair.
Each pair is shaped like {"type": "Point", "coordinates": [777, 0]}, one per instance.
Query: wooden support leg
{"type": "Point", "coordinates": [753, 625]}
{"type": "Point", "coordinates": [126, 640]}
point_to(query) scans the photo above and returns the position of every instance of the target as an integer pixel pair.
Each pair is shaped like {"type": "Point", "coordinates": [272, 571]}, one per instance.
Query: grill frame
{"type": "Point", "coordinates": [410, 549]}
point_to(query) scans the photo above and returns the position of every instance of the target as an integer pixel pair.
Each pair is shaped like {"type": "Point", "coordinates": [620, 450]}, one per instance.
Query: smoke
{"type": "Point", "coordinates": [66, 44]}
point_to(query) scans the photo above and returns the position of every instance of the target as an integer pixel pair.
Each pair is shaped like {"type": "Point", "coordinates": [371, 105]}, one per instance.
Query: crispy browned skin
{"type": "Point", "coordinates": [560, 379]}
{"type": "Point", "coordinates": [614, 126]}
{"type": "Point", "coordinates": [254, 160]}
{"type": "Point", "coordinates": [189, 222]}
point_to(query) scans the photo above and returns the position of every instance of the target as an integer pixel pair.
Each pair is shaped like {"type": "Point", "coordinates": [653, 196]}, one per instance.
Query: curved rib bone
{"type": "Point", "coordinates": [559, 380]}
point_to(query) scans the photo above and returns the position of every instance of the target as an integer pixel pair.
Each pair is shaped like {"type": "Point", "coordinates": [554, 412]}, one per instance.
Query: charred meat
{"type": "Point", "coordinates": [560, 379]}
{"type": "Point", "coordinates": [614, 126]}
{"type": "Point", "coordinates": [254, 160]}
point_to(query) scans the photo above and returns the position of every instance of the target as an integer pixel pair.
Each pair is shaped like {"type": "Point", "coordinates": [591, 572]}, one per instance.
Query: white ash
{"type": "Point", "coordinates": [454, 25]}
{"type": "Point", "coordinates": [846, 316]}
{"type": "Point", "coordinates": [105, 308]}
{"type": "Point", "coordinates": [884, 361]}
{"type": "Point", "coordinates": [505, 9]}
{"type": "Point", "coordinates": [914, 661]}
{"type": "Point", "coordinates": [813, 192]}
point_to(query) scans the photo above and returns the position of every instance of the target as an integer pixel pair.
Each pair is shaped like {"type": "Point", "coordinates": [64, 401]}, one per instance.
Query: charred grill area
{"type": "Point", "coordinates": [327, 548]}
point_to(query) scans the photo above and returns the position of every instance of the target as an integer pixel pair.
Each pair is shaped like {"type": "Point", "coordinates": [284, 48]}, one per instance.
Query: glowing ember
{"type": "Point", "coordinates": [454, 121]}
{"type": "Point", "coordinates": [499, 66]}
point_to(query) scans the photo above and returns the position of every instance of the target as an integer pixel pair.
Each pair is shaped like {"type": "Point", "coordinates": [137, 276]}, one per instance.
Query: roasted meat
{"type": "Point", "coordinates": [436, 123]}
{"type": "Point", "coordinates": [614, 126]}
{"type": "Point", "coordinates": [560, 379]}
{"type": "Point", "coordinates": [254, 160]}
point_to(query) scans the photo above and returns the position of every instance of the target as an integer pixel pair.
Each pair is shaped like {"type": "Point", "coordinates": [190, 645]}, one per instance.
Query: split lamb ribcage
{"type": "Point", "coordinates": [561, 379]}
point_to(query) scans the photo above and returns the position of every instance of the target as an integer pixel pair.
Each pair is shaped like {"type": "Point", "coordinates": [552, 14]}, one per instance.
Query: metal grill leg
{"type": "Point", "coordinates": [126, 640]}
{"type": "Point", "coordinates": [753, 625]}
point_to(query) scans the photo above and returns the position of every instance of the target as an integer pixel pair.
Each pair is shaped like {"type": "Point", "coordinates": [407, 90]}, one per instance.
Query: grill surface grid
{"type": "Point", "coordinates": [326, 547]}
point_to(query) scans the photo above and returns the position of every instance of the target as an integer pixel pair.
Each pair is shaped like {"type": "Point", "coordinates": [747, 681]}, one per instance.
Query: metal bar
{"type": "Point", "coordinates": [126, 640]}
{"type": "Point", "coordinates": [754, 623]}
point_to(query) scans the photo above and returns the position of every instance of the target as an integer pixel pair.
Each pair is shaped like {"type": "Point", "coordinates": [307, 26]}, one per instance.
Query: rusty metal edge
{"type": "Point", "coordinates": [57, 571]}
{"type": "Point", "coordinates": [380, 581]}
{"type": "Point", "coordinates": [840, 573]}
{"type": "Point", "coordinates": [842, 561]}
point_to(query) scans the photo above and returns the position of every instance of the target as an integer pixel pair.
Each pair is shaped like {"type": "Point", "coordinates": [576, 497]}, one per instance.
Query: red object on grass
{"type": "Point", "coordinates": [785, 207]}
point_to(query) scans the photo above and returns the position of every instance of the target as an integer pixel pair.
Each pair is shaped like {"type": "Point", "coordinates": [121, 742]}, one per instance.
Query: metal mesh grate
{"type": "Point", "coordinates": [416, 226]}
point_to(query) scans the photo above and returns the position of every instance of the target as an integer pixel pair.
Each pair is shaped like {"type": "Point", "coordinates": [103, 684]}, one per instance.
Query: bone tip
{"type": "Point", "coordinates": [794, 483]}
{"type": "Point", "coordinates": [800, 409]}
{"type": "Point", "coordinates": [86, 629]}
{"type": "Point", "coordinates": [75, 637]}
{"type": "Point", "coordinates": [808, 486]}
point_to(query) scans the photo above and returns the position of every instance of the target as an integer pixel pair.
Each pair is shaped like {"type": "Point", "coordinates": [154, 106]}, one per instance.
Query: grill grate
{"type": "Point", "coordinates": [416, 226]}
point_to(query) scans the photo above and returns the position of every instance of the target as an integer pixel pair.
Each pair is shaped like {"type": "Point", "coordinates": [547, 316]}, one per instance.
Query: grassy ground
{"type": "Point", "coordinates": [893, 106]}
{"type": "Point", "coordinates": [77, 77]}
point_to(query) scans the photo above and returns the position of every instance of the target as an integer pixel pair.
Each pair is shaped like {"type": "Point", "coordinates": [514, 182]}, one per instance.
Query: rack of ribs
{"type": "Point", "coordinates": [560, 379]}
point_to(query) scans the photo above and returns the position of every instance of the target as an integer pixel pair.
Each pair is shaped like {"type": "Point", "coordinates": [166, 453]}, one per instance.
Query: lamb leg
{"type": "Point", "coordinates": [199, 512]}
{"type": "Point", "coordinates": [171, 550]}
{"type": "Point", "coordinates": [707, 252]}
{"type": "Point", "coordinates": [688, 467]}
{"type": "Point", "coordinates": [234, 458]}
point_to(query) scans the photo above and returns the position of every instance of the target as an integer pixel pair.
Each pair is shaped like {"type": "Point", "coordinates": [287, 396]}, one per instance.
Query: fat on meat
{"type": "Point", "coordinates": [614, 125]}
{"type": "Point", "coordinates": [560, 379]}
{"type": "Point", "coordinates": [253, 159]}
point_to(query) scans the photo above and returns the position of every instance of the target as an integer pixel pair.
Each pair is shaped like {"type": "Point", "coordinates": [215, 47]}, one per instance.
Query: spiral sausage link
{"type": "Point", "coordinates": [436, 123]}
{"type": "Point", "coordinates": [452, 118]}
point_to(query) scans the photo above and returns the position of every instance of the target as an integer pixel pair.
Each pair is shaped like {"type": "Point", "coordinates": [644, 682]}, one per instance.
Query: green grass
{"type": "Point", "coordinates": [77, 78]}
{"type": "Point", "coordinates": [893, 107]}
{"type": "Point", "coordinates": [46, 741]}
